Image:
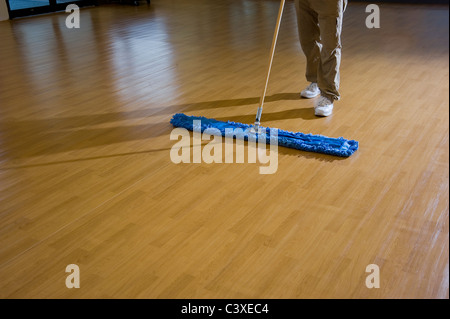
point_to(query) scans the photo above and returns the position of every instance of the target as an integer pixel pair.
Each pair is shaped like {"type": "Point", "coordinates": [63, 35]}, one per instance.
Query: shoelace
{"type": "Point", "coordinates": [323, 101]}
{"type": "Point", "coordinates": [312, 87]}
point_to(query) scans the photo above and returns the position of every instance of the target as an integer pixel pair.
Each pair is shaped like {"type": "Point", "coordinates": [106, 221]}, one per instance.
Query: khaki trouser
{"type": "Point", "coordinates": [319, 27]}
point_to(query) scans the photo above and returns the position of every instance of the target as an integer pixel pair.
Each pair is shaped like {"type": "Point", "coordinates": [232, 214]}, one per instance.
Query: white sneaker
{"type": "Point", "coordinates": [311, 91]}
{"type": "Point", "coordinates": [323, 107]}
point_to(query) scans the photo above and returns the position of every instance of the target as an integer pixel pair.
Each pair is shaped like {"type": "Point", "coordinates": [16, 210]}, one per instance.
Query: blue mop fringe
{"type": "Point", "coordinates": [305, 142]}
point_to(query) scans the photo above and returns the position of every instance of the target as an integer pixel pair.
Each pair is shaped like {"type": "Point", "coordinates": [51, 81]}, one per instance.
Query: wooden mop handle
{"type": "Point", "coordinates": [272, 52]}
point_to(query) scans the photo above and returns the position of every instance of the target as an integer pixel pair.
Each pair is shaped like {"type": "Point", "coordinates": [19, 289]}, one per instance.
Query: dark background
{"type": "Point", "coordinates": [405, 1]}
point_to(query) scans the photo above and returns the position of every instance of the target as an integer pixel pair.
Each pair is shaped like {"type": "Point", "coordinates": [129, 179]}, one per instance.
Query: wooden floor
{"type": "Point", "coordinates": [86, 176]}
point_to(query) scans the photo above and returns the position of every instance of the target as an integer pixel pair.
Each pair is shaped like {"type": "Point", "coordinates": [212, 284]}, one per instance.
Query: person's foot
{"type": "Point", "coordinates": [311, 91]}
{"type": "Point", "coordinates": [323, 107]}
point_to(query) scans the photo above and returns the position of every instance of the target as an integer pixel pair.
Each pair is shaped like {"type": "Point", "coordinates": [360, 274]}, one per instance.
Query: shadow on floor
{"type": "Point", "coordinates": [281, 151]}
{"type": "Point", "coordinates": [29, 138]}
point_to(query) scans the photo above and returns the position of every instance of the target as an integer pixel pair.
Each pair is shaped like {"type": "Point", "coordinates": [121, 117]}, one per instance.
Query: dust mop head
{"type": "Point", "coordinates": [305, 142]}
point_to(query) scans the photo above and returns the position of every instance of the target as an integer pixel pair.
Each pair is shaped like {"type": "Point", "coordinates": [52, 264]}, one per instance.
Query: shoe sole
{"type": "Point", "coordinates": [309, 96]}
{"type": "Point", "coordinates": [323, 114]}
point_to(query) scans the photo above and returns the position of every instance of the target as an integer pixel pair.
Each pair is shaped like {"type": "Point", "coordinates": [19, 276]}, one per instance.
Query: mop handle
{"type": "Point", "coordinates": [272, 52]}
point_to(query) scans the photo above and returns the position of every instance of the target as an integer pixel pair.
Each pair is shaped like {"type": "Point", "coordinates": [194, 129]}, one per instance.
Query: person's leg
{"type": "Point", "coordinates": [309, 35]}
{"type": "Point", "coordinates": [330, 16]}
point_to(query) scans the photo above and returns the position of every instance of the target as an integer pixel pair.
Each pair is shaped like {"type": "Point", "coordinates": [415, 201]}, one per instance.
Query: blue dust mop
{"type": "Point", "coordinates": [305, 142]}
